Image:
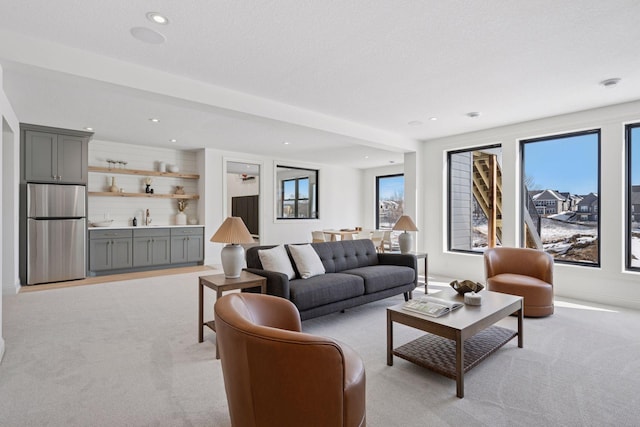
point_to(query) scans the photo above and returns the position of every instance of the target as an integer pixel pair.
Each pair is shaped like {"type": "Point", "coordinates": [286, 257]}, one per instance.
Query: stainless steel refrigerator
{"type": "Point", "coordinates": [56, 233]}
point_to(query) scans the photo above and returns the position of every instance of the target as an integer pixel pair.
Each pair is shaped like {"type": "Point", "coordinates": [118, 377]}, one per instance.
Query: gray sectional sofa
{"type": "Point", "coordinates": [354, 274]}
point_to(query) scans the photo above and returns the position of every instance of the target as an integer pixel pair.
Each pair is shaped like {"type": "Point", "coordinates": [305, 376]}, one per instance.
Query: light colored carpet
{"type": "Point", "coordinates": [126, 354]}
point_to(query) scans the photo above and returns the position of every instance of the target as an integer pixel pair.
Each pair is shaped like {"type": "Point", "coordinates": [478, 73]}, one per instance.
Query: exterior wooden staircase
{"type": "Point", "coordinates": [487, 188]}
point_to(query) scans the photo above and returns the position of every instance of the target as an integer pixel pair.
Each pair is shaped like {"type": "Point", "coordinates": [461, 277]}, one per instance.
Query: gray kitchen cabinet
{"type": "Point", "coordinates": [151, 247]}
{"type": "Point", "coordinates": [187, 244]}
{"type": "Point", "coordinates": [110, 250]}
{"type": "Point", "coordinates": [54, 155]}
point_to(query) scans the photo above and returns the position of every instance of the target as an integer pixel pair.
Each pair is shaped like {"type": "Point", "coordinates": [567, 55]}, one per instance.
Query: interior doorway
{"type": "Point", "coordinates": [243, 194]}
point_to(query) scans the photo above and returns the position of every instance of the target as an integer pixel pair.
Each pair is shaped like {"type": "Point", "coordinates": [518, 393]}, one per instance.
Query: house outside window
{"type": "Point", "coordinates": [633, 197]}
{"type": "Point", "coordinates": [561, 200]}
{"type": "Point", "coordinates": [474, 199]}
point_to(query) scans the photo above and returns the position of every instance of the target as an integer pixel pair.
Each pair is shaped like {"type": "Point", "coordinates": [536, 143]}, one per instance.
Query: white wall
{"type": "Point", "coordinates": [123, 209]}
{"type": "Point", "coordinates": [608, 283]}
{"type": "Point", "coordinates": [339, 200]}
{"type": "Point", "coordinates": [9, 159]}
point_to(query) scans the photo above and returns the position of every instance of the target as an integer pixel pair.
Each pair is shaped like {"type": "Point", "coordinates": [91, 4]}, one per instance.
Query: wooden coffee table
{"type": "Point", "coordinates": [458, 341]}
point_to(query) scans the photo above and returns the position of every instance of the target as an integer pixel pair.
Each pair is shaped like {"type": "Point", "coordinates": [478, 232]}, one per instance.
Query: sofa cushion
{"type": "Point", "coordinates": [346, 254]}
{"type": "Point", "coordinates": [307, 260]}
{"type": "Point", "coordinates": [381, 277]}
{"type": "Point", "coordinates": [325, 289]}
{"type": "Point", "coordinates": [277, 259]}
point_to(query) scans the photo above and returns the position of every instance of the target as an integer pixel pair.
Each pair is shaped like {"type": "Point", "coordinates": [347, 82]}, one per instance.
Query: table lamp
{"type": "Point", "coordinates": [405, 223]}
{"type": "Point", "coordinates": [232, 231]}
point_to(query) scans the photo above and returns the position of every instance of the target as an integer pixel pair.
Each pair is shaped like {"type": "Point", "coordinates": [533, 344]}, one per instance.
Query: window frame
{"type": "Point", "coordinates": [523, 192]}
{"type": "Point", "coordinates": [378, 177]}
{"type": "Point", "coordinates": [629, 211]}
{"type": "Point", "coordinates": [312, 196]}
{"type": "Point", "coordinates": [449, 189]}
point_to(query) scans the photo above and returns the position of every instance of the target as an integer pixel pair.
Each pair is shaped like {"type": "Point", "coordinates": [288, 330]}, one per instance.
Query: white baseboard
{"type": "Point", "coordinates": [1, 349]}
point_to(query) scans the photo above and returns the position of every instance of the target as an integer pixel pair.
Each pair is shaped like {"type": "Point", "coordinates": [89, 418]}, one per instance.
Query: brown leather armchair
{"type": "Point", "coordinates": [524, 272]}
{"type": "Point", "coordinates": [275, 375]}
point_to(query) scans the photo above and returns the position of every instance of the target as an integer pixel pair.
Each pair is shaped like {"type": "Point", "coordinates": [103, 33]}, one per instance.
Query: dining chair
{"type": "Point", "coordinates": [317, 236]}
{"type": "Point", "coordinates": [377, 237]}
{"type": "Point", "coordinates": [386, 240]}
{"type": "Point", "coordinates": [363, 234]}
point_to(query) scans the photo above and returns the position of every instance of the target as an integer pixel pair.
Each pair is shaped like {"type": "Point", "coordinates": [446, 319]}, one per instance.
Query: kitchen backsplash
{"type": "Point", "coordinates": [123, 209]}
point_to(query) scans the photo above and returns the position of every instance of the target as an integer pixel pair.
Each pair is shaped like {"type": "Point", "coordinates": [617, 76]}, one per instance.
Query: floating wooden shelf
{"type": "Point", "coordinates": [144, 173]}
{"type": "Point", "coordinates": [158, 196]}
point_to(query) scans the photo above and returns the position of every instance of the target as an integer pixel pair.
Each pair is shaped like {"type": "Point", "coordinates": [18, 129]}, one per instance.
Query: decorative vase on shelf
{"type": "Point", "coordinates": [181, 217]}
{"type": "Point", "coordinates": [114, 188]}
{"type": "Point", "coordinates": [148, 189]}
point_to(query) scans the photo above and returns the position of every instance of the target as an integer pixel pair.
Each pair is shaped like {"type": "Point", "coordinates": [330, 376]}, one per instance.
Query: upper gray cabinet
{"type": "Point", "coordinates": [54, 155]}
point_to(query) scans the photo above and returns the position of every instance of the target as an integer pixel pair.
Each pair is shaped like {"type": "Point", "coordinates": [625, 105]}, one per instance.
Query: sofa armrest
{"type": "Point", "coordinates": [405, 260]}
{"type": "Point", "coordinates": [277, 283]}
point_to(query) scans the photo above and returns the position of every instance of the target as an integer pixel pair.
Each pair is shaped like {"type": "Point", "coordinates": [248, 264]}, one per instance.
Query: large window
{"type": "Point", "coordinates": [297, 193]}
{"type": "Point", "coordinates": [633, 197]}
{"type": "Point", "coordinates": [389, 200]}
{"type": "Point", "coordinates": [475, 199]}
{"type": "Point", "coordinates": [561, 196]}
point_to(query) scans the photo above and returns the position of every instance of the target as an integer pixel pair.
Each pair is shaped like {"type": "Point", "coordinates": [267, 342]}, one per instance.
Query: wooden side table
{"type": "Point", "coordinates": [220, 284]}
{"type": "Point", "coordinates": [419, 255]}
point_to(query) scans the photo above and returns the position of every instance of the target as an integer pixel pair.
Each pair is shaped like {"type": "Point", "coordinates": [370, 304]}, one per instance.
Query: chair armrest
{"type": "Point", "coordinates": [404, 260]}
{"type": "Point", "coordinates": [277, 283]}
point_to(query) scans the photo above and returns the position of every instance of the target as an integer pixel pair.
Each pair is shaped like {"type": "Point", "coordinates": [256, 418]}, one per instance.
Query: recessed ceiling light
{"type": "Point", "coordinates": [156, 18]}
{"type": "Point", "coordinates": [433, 119]}
{"type": "Point", "coordinates": [285, 142]}
{"type": "Point", "coordinates": [88, 128]}
{"type": "Point", "coordinates": [173, 140]}
{"type": "Point", "coordinates": [366, 157]}
{"type": "Point", "coordinates": [473, 114]}
{"type": "Point", "coordinates": [154, 120]}
{"type": "Point", "coordinates": [148, 36]}
{"type": "Point", "coordinates": [415, 123]}
{"type": "Point", "coordinates": [610, 82]}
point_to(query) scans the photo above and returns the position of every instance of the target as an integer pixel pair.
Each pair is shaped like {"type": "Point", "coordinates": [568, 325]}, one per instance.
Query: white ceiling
{"type": "Point", "coordinates": [338, 80]}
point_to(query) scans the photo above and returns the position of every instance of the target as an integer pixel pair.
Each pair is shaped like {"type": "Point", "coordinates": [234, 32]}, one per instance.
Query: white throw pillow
{"type": "Point", "coordinates": [307, 260]}
{"type": "Point", "coordinates": [276, 259]}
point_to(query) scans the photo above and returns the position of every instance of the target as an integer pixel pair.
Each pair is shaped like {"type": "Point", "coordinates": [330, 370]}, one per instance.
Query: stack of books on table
{"type": "Point", "coordinates": [431, 306]}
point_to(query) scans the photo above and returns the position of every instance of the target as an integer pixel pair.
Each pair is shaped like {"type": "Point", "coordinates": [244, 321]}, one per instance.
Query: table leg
{"type": "Point", "coordinates": [520, 324]}
{"type": "Point", "coordinates": [389, 340]}
{"type": "Point", "coordinates": [218, 295]}
{"type": "Point", "coordinates": [426, 275]}
{"type": "Point", "coordinates": [459, 365]}
{"type": "Point", "coordinates": [200, 312]}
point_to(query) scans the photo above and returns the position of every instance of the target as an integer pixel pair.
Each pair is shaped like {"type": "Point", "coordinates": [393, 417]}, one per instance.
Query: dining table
{"type": "Point", "coordinates": [344, 234]}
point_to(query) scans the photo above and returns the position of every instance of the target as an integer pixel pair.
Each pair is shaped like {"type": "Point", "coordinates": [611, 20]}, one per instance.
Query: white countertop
{"type": "Point", "coordinates": [128, 227]}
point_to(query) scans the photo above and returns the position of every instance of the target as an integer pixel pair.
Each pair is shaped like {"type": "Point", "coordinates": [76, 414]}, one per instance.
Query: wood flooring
{"type": "Point", "coordinates": [115, 278]}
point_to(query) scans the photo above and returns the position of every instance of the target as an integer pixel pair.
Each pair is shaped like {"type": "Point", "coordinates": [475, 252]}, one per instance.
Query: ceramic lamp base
{"type": "Point", "coordinates": [232, 257]}
{"type": "Point", "coordinates": [406, 242]}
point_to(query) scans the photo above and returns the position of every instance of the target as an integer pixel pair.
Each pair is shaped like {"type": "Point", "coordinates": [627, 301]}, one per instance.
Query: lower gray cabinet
{"type": "Point", "coordinates": [187, 245]}
{"type": "Point", "coordinates": [151, 247]}
{"type": "Point", "coordinates": [110, 250]}
{"type": "Point", "coordinates": [118, 249]}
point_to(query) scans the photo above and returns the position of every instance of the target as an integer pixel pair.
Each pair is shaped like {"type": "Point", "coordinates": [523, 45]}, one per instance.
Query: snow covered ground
{"type": "Point", "coordinates": [558, 236]}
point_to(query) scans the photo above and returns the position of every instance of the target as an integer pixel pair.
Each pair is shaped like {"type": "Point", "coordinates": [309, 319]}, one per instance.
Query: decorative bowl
{"type": "Point", "coordinates": [173, 168]}
{"type": "Point", "coordinates": [103, 223]}
{"type": "Point", "coordinates": [464, 286]}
